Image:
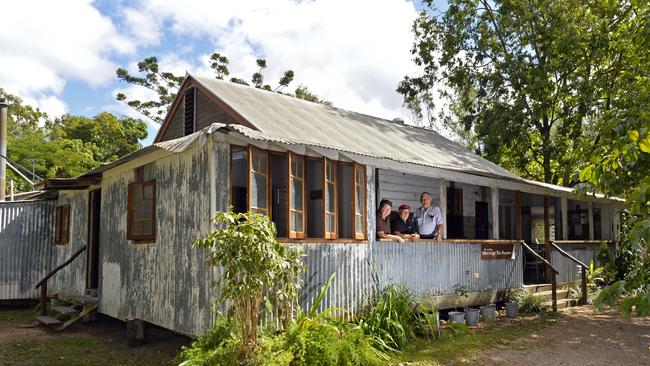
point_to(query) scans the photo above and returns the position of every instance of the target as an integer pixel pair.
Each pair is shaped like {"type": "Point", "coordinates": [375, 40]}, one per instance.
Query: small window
{"type": "Point", "coordinates": [62, 222]}
{"type": "Point", "coordinates": [189, 115]}
{"type": "Point", "coordinates": [141, 216]}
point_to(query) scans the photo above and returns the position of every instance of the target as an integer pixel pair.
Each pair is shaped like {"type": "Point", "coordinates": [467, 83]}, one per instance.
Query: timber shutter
{"type": "Point", "coordinates": [62, 222]}
{"type": "Point", "coordinates": [189, 115]}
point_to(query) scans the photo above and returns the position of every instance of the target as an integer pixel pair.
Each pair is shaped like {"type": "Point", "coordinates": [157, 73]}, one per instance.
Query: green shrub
{"type": "Point", "coordinates": [427, 321]}
{"type": "Point", "coordinates": [331, 343]}
{"type": "Point", "coordinates": [389, 317]}
{"type": "Point", "coordinates": [529, 303]}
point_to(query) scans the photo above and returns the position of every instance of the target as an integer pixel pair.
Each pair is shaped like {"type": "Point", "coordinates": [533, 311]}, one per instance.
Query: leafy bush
{"type": "Point", "coordinates": [331, 343]}
{"type": "Point", "coordinates": [529, 303]}
{"type": "Point", "coordinates": [428, 321]}
{"type": "Point", "coordinates": [255, 266]}
{"type": "Point", "coordinates": [389, 316]}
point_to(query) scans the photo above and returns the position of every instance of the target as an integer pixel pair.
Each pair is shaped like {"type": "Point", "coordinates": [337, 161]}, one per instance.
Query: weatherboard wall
{"type": "Point", "coordinates": [26, 238]}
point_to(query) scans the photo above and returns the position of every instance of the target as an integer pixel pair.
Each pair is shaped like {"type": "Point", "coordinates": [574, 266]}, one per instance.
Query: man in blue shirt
{"type": "Point", "coordinates": [428, 219]}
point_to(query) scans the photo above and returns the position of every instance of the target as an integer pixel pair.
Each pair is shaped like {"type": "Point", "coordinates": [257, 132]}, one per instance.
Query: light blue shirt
{"type": "Point", "coordinates": [427, 220]}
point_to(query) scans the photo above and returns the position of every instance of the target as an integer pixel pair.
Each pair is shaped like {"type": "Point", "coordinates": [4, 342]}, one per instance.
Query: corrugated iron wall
{"type": "Point", "coordinates": [165, 283]}
{"type": "Point", "coordinates": [71, 280]}
{"type": "Point", "coordinates": [26, 236]}
{"type": "Point", "coordinates": [569, 271]}
{"type": "Point", "coordinates": [435, 268]}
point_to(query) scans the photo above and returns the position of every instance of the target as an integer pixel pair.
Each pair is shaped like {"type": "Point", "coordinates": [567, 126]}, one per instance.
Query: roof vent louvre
{"type": "Point", "coordinates": [189, 115]}
{"type": "Point", "coordinates": [398, 120]}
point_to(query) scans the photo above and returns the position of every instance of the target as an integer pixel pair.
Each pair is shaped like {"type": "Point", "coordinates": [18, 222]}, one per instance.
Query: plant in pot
{"type": "Point", "coordinates": [512, 306]}
{"type": "Point", "coordinates": [489, 312]}
{"type": "Point", "coordinates": [471, 314]}
{"type": "Point", "coordinates": [460, 293]}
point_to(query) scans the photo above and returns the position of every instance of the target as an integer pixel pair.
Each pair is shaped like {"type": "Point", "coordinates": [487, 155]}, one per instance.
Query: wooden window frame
{"type": "Point", "coordinates": [62, 224]}
{"type": "Point", "coordinates": [364, 216]}
{"type": "Point", "coordinates": [251, 173]}
{"type": "Point", "coordinates": [293, 234]}
{"type": "Point", "coordinates": [139, 181]}
{"type": "Point", "coordinates": [334, 215]}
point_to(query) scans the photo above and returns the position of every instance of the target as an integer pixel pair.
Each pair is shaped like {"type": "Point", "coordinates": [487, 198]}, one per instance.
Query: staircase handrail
{"type": "Point", "coordinates": [43, 283]}
{"type": "Point", "coordinates": [553, 276]}
{"type": "Point", "coordinates": [584, 268]}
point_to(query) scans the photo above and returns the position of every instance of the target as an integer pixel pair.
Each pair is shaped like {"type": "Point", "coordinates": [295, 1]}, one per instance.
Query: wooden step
{"type": "Point", "coordinates": [538, 288]}
{"type": "Point", "coordinates": [82, 300]}
{"type": "Point", "coordinates": [87, 309]}
{"type": "Point", "coordinates": [66, 310]}
{"type": "Point", "coordinates": [48, 320]}
{"type": "Point", "coordinates": [562, 303]}
{"type": "Point", "coordinates": [547, 295]}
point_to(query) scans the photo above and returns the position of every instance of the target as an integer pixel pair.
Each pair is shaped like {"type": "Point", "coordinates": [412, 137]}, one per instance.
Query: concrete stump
{"type": "Point", "coordinates": [135, 332]}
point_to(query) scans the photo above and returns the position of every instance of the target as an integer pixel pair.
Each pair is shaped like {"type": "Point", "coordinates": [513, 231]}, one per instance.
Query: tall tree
{"type": "Point", "coordinates": [165, 84]}
{"type": "Point", "coordinates": [522, 77]}
{"type": "Point", "coordinates": [66, 147]}
{"type": "Point", "coordinates": [108, 136]}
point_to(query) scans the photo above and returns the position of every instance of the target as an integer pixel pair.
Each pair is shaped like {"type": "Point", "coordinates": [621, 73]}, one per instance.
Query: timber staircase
{"type": "Point", "coordinates": [78, 307]}
{"type": "Point", "coordinates": [66, 315]}
{"type": "Point", "coordinates": [545, 291]}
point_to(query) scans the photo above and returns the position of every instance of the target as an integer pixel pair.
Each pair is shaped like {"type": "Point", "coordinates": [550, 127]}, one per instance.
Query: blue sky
{"type": "Point", "coordinates": [62, 56]}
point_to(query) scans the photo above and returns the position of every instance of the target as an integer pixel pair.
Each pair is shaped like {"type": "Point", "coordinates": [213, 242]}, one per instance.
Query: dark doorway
{"type": "Point", "coordinates": [482, 220]}
{"type": "Point", "coordinates": [455, 213]}
{"type": "Point", "coordinates": [92, 251]}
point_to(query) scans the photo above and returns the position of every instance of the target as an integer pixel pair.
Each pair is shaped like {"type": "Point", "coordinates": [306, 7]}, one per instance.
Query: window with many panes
{"type": "Point", "coordinates": [306, 197]}
{"type": "Point", "coordinates": [141, 213]}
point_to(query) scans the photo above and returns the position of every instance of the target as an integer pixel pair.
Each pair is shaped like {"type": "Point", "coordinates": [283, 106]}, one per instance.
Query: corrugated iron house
{"type": "Point", "coordinates": [319, 172]}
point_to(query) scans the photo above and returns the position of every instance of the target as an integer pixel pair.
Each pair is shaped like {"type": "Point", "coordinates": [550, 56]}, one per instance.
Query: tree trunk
{"type": "Point", "coordinates": [546, 149]}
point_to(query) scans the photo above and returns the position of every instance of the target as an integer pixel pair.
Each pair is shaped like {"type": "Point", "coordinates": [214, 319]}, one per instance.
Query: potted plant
{"type": "Point", "coordinates": [472, 315]}
{"type": "Point", "coordinates": [512, 306]}
{"type": "Point", "coordinates": [456, 316]}
{"type": "Point", "coordinates": [489, 311]}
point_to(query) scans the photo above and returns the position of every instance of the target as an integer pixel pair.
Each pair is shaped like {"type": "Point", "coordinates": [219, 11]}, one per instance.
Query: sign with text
{"type": "Point", "coordinates": [496, 251]}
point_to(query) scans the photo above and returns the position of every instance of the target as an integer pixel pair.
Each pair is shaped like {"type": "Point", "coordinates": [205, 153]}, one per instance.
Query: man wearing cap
{"type": "Point", "coordinates": [403, 224]}
{"type": "Point", "coordinates": [428, 219]}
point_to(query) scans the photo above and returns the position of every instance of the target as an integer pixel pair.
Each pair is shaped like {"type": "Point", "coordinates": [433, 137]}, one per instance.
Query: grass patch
{"type": "Point", "coordinates": [464, 348]}
{"type": "Point", "coordinates": [68, 350]}
{"type": "Point", "coordinates": [17, 317]}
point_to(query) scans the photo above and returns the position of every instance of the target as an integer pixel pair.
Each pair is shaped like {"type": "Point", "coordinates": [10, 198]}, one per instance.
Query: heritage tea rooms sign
{"type": "Point", "coordinates": [497, 251]}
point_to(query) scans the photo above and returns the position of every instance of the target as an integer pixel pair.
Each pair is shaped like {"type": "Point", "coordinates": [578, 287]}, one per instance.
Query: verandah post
{"type": "Point", "coordinates": [584, 286]}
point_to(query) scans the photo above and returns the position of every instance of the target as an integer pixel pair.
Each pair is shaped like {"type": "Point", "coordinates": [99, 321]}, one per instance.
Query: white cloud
{"type": "Point", "coordinates": [45, 43]}
{"type": "Point", "coordinates": [353, 53]}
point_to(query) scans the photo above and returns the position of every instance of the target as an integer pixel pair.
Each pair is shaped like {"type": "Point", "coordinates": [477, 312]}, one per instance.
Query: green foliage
{"type": "Point", "coordinates": [458, 329]}
{"type": "Point", "coordinates": [68, 146]}
{"type": "Point", "coordinates": [428, 321]}
{"type": "Point", "coordinates": [255, 266]}
{"type": "Point", "coordinates": [107, 136]}
{"type": "Point", "coordinates": [528, 302]}
{"type": "Point", "coordinates": [530, 95]}
{"type": "Point", "coordinates": [389, 316]}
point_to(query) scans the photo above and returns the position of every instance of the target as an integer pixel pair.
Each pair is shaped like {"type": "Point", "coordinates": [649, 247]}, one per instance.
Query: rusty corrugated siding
{"type": "Point", "coordinates": [26, 236]}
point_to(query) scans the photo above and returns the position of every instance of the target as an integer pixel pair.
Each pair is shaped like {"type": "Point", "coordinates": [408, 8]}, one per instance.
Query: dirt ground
{"type": "Point", "coordinates": [581, 336]}
{"type": "Point", "coordinates": [160, 348]}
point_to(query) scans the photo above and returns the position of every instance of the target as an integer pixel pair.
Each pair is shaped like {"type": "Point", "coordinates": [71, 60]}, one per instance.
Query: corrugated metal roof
{"type": "Point", "coordinates": [292, 120]}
